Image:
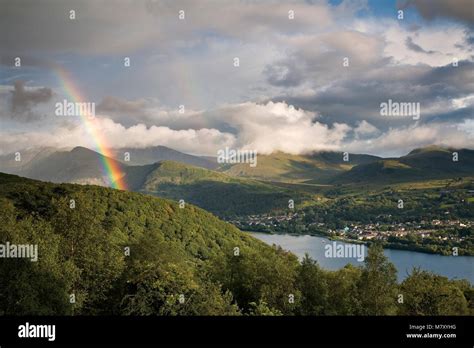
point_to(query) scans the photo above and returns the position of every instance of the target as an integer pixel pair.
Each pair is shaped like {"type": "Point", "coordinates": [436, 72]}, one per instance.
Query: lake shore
{"type": "Point", "coordinates": [386, 245]}
{"type": "Point", "coordinates": [458, 267]}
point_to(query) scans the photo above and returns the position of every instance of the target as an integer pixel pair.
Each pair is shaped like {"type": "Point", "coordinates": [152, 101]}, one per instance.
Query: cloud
{"type": "Point", "coordinates": [274, 127]}
{"type": "Point", "coordinates": [454, 9]}
{"type": "Point", "coordinates": [365, 129]}
{"type": "Point", "coordinates": [417, 48]}
{"type": "Point", "coordinates": [126, 26]}
{"type": "Point", "coordinates": [283, 62]}
{"type": "Point", "coordinates": [20, 104]}
{"type": "Point", "coordinates": [263, 127]}
{"type": "Point", "coordinates": [351, 100]}
{"type": "Point", "coordinates": [114, 104]}
{"type": "Point", "coordinates": [266, 128]}
{"type": "Point", "coordinates": [284, 73]}
{"type": "Point", "coordinates": [23, 99]}
{"type": "Point", "coordinates": [127, 112]}
{"type": "Point", "coordinates": [202, 141]}
{"type": "Point", "coordinates": [396, 142]}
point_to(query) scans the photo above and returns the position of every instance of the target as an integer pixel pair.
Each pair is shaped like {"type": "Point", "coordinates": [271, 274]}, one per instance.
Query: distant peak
{"type": "Point", "coordinates": [84, 151]}
{"type": "Point", "coordinates": [80, 148]}
{"type": "Point", "coordinates": [428, 148]}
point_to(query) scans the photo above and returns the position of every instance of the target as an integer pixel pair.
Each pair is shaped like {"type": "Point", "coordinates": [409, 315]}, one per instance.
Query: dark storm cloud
{"type": "Point", "coordinates": [24, 99]}
{"type": "Point", "coordinates": [8, 60]}
{"type": "Point", "coordinates": [117, 105]}
{"type": "Point", "coordinates": [462, 10]}
{"type": "Point", "coordinates": [284, 74]}
{"type": "Point", "coordinates": [113, 27]}
{"type": "Point", "coordinates": [354, 100]}
{"type": "Point", "coordinates": [417, 48]}
{"type": "Point", "coordinates": [414, 27]}
{"type": "Point", "coordinates": [127, 112]}
{"type": "Point", "coordinates": [454, 82]}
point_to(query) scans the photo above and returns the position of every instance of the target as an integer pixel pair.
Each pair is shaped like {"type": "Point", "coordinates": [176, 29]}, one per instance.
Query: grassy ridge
{"type": "Point", "coordinates": [217, 192]}
{"type": "Point", "coordinates": [283, 167]}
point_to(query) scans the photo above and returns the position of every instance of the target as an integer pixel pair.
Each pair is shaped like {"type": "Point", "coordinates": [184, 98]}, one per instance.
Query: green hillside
{"type": "Point", "coordinates": [419, 165]}
{"type": "Point", "coordinates": [108, 252]}
{"type": "Point", "coordinates": [284, 167]}
{"type": "Point", "coordinates": [81, 251]}
{"type": "Point", "coordinates": [216, 192]}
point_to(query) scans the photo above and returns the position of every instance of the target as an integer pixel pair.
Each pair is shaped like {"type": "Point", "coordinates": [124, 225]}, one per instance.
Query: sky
{"type": "Point", "coordinates": [312, 75]}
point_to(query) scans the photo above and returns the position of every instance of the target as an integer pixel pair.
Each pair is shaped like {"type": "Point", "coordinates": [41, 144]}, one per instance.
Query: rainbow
{"type": "Point", "coordinates": [110, 166]}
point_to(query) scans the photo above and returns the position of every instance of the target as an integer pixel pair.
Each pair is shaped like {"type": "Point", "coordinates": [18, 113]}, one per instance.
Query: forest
{"type": "Point", "coordinates": [109, 252]}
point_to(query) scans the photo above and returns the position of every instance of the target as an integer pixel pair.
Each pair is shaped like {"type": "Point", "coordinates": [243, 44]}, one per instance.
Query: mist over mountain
{"type": "Point", "coordinates": [84, 166]}
{"type": "Point", "coordinates": [79, 165]}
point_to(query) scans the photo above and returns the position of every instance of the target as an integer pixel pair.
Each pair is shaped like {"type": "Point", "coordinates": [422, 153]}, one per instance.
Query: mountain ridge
{"type": "Point", "coordinates": [419, 164]}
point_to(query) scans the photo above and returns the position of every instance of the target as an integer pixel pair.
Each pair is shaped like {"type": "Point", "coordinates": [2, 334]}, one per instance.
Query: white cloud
{"type": "Point", "coordinates": [400, 141]}
{"type": "Point", "coordinates": [445, 43]}
{"type": "Point", "coordinates": [364, 129]}
{"type": "Point", "coordinates": [263, 127]}
{"type": "Point", "coordinates": [202, 141]}
{"type": "Point", "coordinates": [190, 62]}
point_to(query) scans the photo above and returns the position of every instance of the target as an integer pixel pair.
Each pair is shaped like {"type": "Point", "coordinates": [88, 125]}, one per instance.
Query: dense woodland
{"type": "Point", "coordinates": [182, 261]}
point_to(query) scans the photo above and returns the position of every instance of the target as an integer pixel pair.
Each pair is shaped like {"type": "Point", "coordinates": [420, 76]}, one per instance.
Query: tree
{"type": "Point", "coordinates": [311, 281]}
{"type": "Point", "coordinates": [343, 295]}
{"type": "Point", "coordinates": [377, 286]}
{"type": "Point", "coordinates": [266, 274]}
{"type": "Point", "coordinates": [261, 309]}
{"type": "Point", "coordinates": [425, 293]}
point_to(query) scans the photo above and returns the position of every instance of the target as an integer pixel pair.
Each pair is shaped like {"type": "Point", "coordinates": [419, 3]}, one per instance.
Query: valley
{"type": "Point", "coordinates": [421, 201]}
{"type": "Point", "coordinates": [127, 253]}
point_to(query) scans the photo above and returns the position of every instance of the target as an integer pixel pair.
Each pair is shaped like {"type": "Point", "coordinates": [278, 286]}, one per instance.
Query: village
{"type": "Point", "coordinates": [356, 232]}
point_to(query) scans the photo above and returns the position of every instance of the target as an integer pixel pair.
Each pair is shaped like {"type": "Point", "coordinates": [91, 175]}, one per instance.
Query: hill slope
{"type": "Point", "coordinates": [124, 253]}
{"type": "Point", "coordinates": [420, 164]}
{"type": "Point", "coordinates": [79, 165]}
{"type": "Point", "coordinates": [83, 251]}
{"type": "Point", "coordinates": [9, 163]}
{"type": "Point", "coordinates": [297, 168]}
{"type": "Point", "coordinates": [210, 190]}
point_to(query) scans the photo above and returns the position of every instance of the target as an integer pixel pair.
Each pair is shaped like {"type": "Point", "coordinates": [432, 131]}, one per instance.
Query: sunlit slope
{"type": "Point", "coordinates": [419, 165]}
{"type": "Point", "coordinates": [285, 167]}
{"type": "Point", "coordinates": [214, 191]}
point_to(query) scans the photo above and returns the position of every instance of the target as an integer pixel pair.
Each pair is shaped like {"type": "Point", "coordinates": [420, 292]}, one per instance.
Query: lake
{"type": "Point", "coordinates": [459, 267]}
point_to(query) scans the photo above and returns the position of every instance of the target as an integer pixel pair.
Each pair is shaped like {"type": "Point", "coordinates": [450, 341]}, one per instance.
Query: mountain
{"type": "Point", "coordinates": [216, 192]}
{"type": "Point", "coordinates": [311, 168]}
{"type": "Point", "coordinates": [79, 165]}
{"type": "Point", "coordinates": [246, 190]}
{"type": "Point", "coordinates": [420, 164]}
{"type": "Point", "coordinates": [211, 190]}
{"type": "Point", "coordinates": [155, 154]}
{"type": "Point", "coordinates": [15, 163]}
